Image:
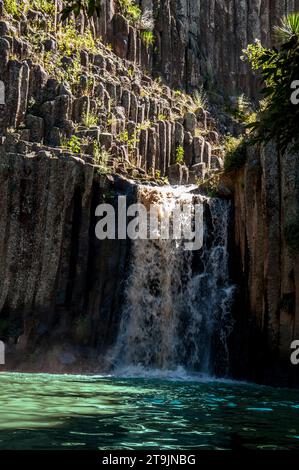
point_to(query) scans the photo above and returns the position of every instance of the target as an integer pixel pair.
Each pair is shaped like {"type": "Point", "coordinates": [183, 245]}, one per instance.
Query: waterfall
{"type": "Point", "coordinates": [177, 310]}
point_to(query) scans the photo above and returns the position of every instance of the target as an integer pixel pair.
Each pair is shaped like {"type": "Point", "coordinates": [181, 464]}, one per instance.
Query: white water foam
{"type": "Point", "coordinates": [178, 303]}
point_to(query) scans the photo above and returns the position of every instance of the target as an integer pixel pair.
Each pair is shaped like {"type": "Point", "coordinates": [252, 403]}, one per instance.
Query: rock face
{"type": "Point", "coordinates": [210, 36]}
{"type": "Point", "coordinates": [60, 285]}
{"type": "Point", "coordinates": [134, 117]}
{"type": "Point", "coordinates": [267, 261]}
{"type": "Point", "coordinates": [62, 130]}
{"type": "Point", "coordinates": [119, 107]}
{"type": "Point", "coordinates": [200, 41]}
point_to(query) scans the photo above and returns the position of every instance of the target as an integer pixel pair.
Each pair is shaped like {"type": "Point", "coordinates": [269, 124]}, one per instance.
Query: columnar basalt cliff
{"type": "Point", "coordinates": [138, 119]}
{"type": "Point", "coordinates": [61, 289]}
{"type": "Point", "coordinates": [73, 135]}
{"type": "Point", "coordinates": [198, 41]}
{"type": "Point", "coordinates": [266, 197]}
{"type": "Point", "coordinates": [86, 120]}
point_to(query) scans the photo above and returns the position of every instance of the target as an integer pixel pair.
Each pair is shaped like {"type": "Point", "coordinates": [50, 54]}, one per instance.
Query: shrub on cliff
{"type": "Point", "coordinates": [235, 153]}
{"type": "Point", "coordinates": [279, 67]}
{"type": "Point", "coordinates": [11, 7]}
{"type": "Point", "coordinates": [89, 7]}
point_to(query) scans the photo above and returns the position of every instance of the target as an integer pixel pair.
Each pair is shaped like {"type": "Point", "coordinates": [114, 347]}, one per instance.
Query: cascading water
{"type": "Point", "coordinates": [178, 302]}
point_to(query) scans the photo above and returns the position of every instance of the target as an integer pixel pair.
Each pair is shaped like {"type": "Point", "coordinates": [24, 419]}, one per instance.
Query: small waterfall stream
{"type": "Point", "coordinates": [177, 311]}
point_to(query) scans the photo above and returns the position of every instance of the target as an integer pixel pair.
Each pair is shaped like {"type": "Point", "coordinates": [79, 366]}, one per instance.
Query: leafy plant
{"type": "Point", "coordinates": [200, 98]}
{"type": "Point", "coordinates": [162, 117]}
{"type": "Point", "coordinates": [31, 105]}
{"type": "Point", "coordinates": [210, 185]}
{"type": "Point", "coordinates": [179, 155]}
{"type": "Point", "coordinates": [89, 119]}
{"type": "Point", "coordinates": [69, 41]}
{"type": "Point", "coordinates": [72, 72]}
{"type": "Point", "coordinates": [73, 144]}
{"type": "Point", "coordinates": [288, 29]}
{"type": "Point", "coordinates": [101, 157]}
{"type": "Point", "coordinates": [147, 38]}
{"type": "Point", "coordinates": [130, 10]}
{"type": "Point", "coordinates": [12, 7]}
{"type": "Point", "coordinates": [279, 67]}
{"type": "Point", "coordinates": [129, 141]}
{"type": "Point", "coordinates": [45, 6]}
{"type": "Point", "coordinates": [143, 125]}
{"type": "Point", "coordinates": [242, 109]}
{"type": "Point", "coordinates": [235, 153]}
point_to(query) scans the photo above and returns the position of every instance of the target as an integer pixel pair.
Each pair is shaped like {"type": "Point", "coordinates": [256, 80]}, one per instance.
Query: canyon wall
{"type": "Point", "coordinates": [266, 259]}
{"type": "Point", "coordinates": [199, 41]}
{"type": "Point", "coordinates": [72, 136]}
{"type": "Point", "coordinates": [60, 287]}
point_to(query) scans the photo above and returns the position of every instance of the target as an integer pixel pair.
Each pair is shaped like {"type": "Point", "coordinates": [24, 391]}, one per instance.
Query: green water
{"type": "Point", "coordinates": [40, 411]}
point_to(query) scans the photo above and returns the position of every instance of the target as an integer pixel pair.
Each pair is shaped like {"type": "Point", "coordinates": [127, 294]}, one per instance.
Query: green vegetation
{"type": "Point", "coordinates": [162, 117]}
{"type": "Point", "coordinates": [143, 125]}
{"type": "Point", "coordinates": [291, 233]}
{"type": "Point", "coordinates": [210, 185]}
{"type": "Point", "coordinates": [90, 119]}
{"type": "Point", "coordinates": [100, 155]}
{"type": "Point", "coordinates": [101, 158]}
{"type": "Point", "coordinates": [69, 44]}
{"type": "Point", "coordinates": [16, 7]}
{"type": "Point", "coordinates": [130, 10]}
{"type": "Point", "coordinates": [11, 7]}
{"type": "Point", "coordinates": [235, 153]}
{"type": "Point", "coordinates": [200, 98]}
{"type": "Point", "coordinates": [31, 105]}
{"type": "Point", "coordinates": [147, 38]}
{"type": "Point", "coordinates": [127, 7]}
{"type": "Point", "coordinates": [69, 41]}
{"type": "Point", "coordinates": [45, 6]}
{"type": "Point", "coordinates": [130, 141]}
{"type": "Point", "coordinates": [73, 144]}
{"type": "Point", "coordinates": [279, 67]}
{"type": "Point", "coordinates": [288, 29]}
{"type": "Point", "coordinates": [179, 155]}
{"type": "Point", "coordinates": [242, 110]}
